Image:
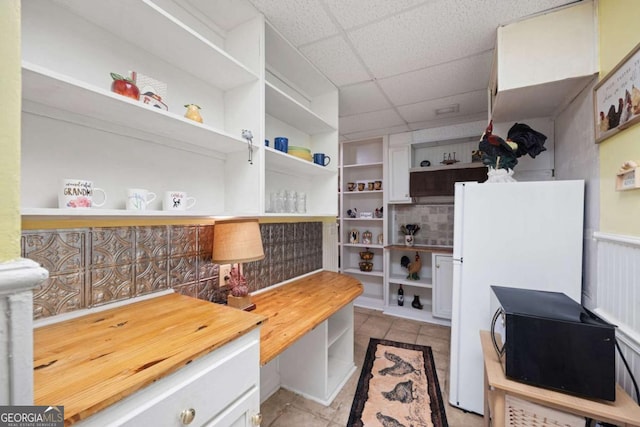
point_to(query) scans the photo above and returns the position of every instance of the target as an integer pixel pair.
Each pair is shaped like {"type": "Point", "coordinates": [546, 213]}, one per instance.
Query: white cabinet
{"type": "Point", "coordinates": [219, 389]}
{"type": "Point", "coordinates": [75, 127]}
{"type": "Point", "coordinates": [399, 161]}
{"type": "Point", "coordinates": [362, 170]}
{"type": "Point", "coordinates": [420, 287]}
{"type": "Point", "coordinates": [442, 285]}
{"type": "Point", "coordinates": [543, 62]}
{"type": "Point", "coordinates": [319, 364]}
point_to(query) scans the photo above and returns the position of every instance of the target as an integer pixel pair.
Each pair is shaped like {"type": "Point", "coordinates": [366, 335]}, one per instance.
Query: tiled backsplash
{"type": "Point", "coordinates": [90, 267]}
{"type": "Point", "coordinates": [436, 223]}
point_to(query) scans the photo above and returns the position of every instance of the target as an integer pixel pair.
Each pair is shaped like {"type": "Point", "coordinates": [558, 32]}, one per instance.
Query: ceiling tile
{"type": "Point", "coordinates": [362, 98]}
{"type": "Point", "coordinates": [468, 103]}
{"type": "Point", "coordinates": [354, 13]}
{"type": "Point", "coordinates": [373, 120]}
{"type": "Point", "coordinates": [335, 58]}
{"type": "Point", "coordinates": [436, 32]}
{"type": "Point", "coordinates": [299, 21]}
{"type": "Point", "coordinates": [457, 77]}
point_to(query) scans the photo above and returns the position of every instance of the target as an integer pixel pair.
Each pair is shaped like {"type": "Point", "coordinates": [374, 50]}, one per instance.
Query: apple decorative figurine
{"type": "Point", "coordinates": [193, 113]}
{"type": "Point", "coordinates": [124, 86]}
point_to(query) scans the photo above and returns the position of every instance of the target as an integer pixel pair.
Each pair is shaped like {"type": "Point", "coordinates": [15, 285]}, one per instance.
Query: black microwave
{"type": "Point", "coordinates": [551, 341]}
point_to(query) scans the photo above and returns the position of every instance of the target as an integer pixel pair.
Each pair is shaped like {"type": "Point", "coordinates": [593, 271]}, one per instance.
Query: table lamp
{"type": "Point", "coordinates": [236, 241]}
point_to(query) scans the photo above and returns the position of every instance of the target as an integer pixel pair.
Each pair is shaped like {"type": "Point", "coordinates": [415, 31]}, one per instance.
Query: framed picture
{"type": "Point", "coordinates": [616, 98]}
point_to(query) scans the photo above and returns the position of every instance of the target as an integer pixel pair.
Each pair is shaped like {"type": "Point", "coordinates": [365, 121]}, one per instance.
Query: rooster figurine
{"type": "Point", "coordinates": [412, 267]}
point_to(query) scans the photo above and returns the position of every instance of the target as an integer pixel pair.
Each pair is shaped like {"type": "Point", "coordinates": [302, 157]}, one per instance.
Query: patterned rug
{"type": "Point", "coordinates": [398, 387]}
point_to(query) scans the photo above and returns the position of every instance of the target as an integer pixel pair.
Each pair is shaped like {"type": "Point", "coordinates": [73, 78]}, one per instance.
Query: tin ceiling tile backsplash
{"type": "Point", "coordinates": [96, 266]}
{"type": "Point", "coordinates": [111, 246]}
{"type": "Point", "coordinates": [59, 251]}
{"type": "Point", "coordinates": [61, 293]}
{"type": "Point", "coordinates": [151, 242]}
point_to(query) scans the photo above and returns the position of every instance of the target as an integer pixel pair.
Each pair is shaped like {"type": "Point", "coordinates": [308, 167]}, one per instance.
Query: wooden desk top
{"type": "Point", "coordinates": [91, 362]}
{"type": "Point", "coordinates": [297, 307]}
{"type": "Point", "coordinates": [623, 410]}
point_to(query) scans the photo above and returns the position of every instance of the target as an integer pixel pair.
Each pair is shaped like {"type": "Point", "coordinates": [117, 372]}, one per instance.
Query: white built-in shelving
{"type": "Point", "coordinates": [362, 162]}
{"type": "Point", "coordinates": [75, 127]}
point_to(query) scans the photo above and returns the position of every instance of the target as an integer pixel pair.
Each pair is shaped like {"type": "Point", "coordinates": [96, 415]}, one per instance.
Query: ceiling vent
{"type": "Point", "coordinates": [455, 108]}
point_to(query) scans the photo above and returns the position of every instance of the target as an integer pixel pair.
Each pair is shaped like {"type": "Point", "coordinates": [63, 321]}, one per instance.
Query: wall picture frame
{"type": "Point", "coordinates": [616, 98]}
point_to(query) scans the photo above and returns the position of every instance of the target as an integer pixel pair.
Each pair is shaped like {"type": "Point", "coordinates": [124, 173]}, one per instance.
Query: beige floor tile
{"type": "Point", "coordinates": [407, 325]}
{"type": "Point", "coordinates": [375, 327]}
{"type": "Point", "coordinates": [295, 417]}
{"type": "Point", "coordinates": [436, 343]}
{"type": "Point", "coordinates": [399, 335]}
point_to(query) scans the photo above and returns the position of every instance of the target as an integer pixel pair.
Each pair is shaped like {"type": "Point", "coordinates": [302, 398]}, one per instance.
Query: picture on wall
{"type": "Point", "coordinates": [617, 97]}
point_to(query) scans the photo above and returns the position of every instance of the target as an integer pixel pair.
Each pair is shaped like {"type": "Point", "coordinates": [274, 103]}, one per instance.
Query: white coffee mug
{"type": "Point", "coordinates": [138, 199]}
{"type": "Point", "coordinates": [78, 193]}
{"type": "Point", "coordinates": [177, 201]}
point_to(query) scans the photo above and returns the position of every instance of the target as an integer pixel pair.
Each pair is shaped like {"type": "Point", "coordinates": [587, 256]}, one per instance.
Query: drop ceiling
{"type": "Point", "coordinates": [400, 65]}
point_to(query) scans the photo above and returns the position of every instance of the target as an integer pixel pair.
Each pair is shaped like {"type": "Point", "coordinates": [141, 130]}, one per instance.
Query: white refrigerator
{"type": "Point", "coordinates": [519, 234]}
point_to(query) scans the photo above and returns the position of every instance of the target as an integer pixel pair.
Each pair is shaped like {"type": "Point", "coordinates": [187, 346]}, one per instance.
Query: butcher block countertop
{"type": "Point", "coordinates": [297, 307]}
{"type": "Point", "coordinates": [91, 362]}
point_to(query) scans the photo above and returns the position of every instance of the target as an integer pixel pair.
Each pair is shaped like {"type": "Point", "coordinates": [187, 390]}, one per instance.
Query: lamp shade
{"type": "Point", "coordinates": [237, 241]}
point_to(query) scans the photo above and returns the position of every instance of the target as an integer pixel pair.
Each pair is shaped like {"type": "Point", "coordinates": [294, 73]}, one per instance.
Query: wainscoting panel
{"type": "Point", "coordinates": [618, 298]}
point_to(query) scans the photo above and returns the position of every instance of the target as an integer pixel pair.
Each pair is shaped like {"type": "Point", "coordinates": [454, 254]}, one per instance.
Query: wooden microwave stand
{"type": "Point", "coordinates": [623, 412]}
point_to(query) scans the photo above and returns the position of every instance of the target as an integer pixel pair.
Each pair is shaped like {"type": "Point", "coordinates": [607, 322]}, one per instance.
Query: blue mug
{"type": "Point", "coordinates": [281, 143]}
{"type": "Point", "coordinates": [321, 159]}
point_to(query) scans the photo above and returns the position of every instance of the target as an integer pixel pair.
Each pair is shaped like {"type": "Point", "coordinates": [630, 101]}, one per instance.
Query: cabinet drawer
{"type": "Point", "coordinates": [208, 385]}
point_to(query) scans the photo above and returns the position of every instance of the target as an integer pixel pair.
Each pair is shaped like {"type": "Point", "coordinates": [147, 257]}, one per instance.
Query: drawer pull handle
{"type": "Point", "coordinates": [256, 420]}
{"type": "Point", "coordinates": [187, 416]}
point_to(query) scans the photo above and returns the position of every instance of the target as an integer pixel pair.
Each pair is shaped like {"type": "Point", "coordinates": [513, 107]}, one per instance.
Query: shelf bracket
{"type": "Point", "coordinates": [246, 134]}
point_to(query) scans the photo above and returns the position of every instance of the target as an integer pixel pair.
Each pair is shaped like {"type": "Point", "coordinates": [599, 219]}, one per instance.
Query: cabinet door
{"type": "Point", "coordinates": [442, 285]}
{"type": "Point", "coordinates": [399, 174]}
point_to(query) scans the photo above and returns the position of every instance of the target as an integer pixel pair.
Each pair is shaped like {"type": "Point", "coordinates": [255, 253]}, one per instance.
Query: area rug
{"type": "Point", "coordinates": [398, 387]}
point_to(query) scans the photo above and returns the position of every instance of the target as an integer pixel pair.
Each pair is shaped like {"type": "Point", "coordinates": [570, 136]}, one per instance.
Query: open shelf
{"type": "Point", "coordinates": [377, 273]}
{"type": "Point", "coordinates": [285, 163]}
{"type": "Point", "coordinates": [60, 95]}
{"type": "Point", "coordinates": [284, 108]}
{"type": "Point", "coordinates": [144, 24]}
{"type": "Point", "coordinates": [43, 213]}
{"type": "Point", "coordinates": [362, 165]}
{"type": "Point", "coordinates": [424, 282]}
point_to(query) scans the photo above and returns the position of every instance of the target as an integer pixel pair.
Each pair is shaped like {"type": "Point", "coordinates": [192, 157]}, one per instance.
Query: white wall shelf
{"type": "Point", "coordinates": [362, 166]}
{"type": "Point", "coordinates": [42, 213]}
{"type": "Point", "coordinates": [378, 273]}
{"type": "Point", "coordinates": [424, 282]}
{"type": "Point", "coordinates": [285, 163]}
{"type": "Point", "coordinates": [60, 93]}
{"type": "Point", "coordinates": [285, 108]}
{"type": "Point", "coordinates": [140, 21]}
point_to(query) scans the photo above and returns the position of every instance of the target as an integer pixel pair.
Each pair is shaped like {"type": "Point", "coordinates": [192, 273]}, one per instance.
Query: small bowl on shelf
{"type": "Point", "coordinates": [366, 266]}
{"type": "Point", "coordinates": [366, 255]}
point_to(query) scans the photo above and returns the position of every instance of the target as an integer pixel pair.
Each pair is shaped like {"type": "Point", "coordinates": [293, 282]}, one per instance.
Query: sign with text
{"type": "Point", "coordinates": [31, 416]}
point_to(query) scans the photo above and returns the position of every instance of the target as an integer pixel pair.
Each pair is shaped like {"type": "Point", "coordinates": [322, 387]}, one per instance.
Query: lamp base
{"type": "Point", "coordinates": [243, 303]}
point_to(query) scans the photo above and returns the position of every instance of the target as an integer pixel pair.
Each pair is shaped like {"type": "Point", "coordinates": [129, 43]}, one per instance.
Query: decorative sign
{"type": "Point", "coordinates": [616, 97]}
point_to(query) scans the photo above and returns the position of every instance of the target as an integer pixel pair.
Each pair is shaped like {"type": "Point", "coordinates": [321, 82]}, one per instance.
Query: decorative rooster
{"type": "Point", "coordinates": [501, 154]}
{"type": "Point", "coordinates": [412, 267]}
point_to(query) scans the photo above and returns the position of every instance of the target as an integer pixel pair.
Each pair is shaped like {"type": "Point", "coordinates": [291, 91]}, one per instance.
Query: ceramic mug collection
{"type": "Point", "coordinates": [81, 193]}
